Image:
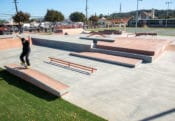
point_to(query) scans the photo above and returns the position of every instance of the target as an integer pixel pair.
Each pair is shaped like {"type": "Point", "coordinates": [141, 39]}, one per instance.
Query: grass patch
{"type": "Point", "coordinates": [159, 31]}
{"type": "Point", "coordinates": [22, 101]}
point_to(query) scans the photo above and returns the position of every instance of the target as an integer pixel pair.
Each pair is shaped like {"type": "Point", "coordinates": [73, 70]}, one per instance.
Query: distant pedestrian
{"type": "Point", "coordinates": [25, 51]}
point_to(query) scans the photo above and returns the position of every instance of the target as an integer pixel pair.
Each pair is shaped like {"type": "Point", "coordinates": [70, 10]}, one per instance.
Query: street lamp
{"type": "Point", "coordinates": [137, 13]}
{"type": "Point", "coordinates": [168, 4]}
{"type": "Point", "coordinates": [86, 9]}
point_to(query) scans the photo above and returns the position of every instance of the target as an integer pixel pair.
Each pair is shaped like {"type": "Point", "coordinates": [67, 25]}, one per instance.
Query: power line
{"type": "Point", "coordinates": [168, 3]}
{"type": "Point", "coordinates": [7, 14]}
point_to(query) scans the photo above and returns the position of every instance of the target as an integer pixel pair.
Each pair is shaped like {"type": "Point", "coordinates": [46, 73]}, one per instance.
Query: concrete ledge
{"type": "Point", "coordinates": [119, 60]}
{"type": "Point", "coordinates": [145, 58]}
{"type": "Point", "coordinates": [76, 47]}
{"type": "Point", "coordinates": [38, 79]}
{"type": "Point", "coordinates": [98, 39]}
{"type": "Point", "coordinates": [145, 33]}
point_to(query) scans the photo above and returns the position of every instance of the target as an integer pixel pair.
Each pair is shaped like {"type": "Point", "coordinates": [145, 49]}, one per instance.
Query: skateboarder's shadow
{"type": "Point", "coordinates": [26, 86]}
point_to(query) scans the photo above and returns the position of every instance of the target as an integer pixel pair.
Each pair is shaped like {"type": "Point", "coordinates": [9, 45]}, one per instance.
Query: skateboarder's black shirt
{"type": "Point", "coordinates": [26, 45]}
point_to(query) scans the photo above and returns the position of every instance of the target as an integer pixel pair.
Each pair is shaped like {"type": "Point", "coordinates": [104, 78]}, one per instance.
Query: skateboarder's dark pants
{"type": "Point", "coordinates": [26, 55]}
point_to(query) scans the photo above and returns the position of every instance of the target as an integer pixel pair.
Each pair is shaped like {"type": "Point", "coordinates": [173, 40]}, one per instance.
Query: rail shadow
{"type": "Point", "coordinates": [68, 68]}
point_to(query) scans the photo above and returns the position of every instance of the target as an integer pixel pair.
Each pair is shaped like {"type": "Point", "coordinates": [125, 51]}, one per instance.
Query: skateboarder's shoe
{"type": "Point", "coordinates": [22, 64]}
{"type": "Point", "coordinates": [27, 67]}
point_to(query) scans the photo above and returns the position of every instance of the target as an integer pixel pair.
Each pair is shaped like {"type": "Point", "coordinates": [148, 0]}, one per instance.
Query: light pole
{"type": "Point", "coordinates": [137, 14]}
{"type": "Point", "coordinates": [168, 5]}
{"type": "Point", "coordinates": [120, 7]}
{"type": "Point", "coordinates": [86, 9]}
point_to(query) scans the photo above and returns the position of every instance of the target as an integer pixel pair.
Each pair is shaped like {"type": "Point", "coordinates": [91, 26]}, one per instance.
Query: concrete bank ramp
{"type": "Point", "coordinates": [38, 79]}
{"type": "Point", "coordinates": [171, 47]}
{"type": "Point", "coordinates": [9, 43]}
{"type": "Point", "coordinates": [150, 47]}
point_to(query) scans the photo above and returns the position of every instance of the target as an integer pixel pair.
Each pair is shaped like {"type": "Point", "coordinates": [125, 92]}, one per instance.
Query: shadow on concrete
{"type": "Point", "coordinates": [168, 112]}
{"type": "Point", "coordinates": [29, 88]}
{"type": "Point", "coordinates": [68, 68]}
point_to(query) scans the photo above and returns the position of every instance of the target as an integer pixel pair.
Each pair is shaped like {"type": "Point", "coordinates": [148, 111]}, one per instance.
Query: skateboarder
{"type": "Point", "coordinates": [25, 51]}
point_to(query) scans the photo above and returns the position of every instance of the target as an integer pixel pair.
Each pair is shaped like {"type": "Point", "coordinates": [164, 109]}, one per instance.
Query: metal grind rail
{"type": "Point", "coordinates": [70, 64]}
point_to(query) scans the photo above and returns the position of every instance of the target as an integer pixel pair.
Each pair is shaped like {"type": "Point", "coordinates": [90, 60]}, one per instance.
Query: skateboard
{"type": "Point", "coordinates": [24, 66]}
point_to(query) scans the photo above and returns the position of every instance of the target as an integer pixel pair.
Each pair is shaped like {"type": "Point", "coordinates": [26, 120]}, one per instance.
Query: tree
{"type": "Point", "coordinates": [94, 20]}
{"type": "Point", "coordinates": [2, 21]}
{"type": "Point", "coordinates": [32, 20]}
{"type": "Point", "coordinates": [101, 15]}
{"type": "Point", "coordinates": [160, 14]}
{"type": "Point", "coordinates": [53, 16]}
{"type": "Point", "coordinates": [21, 17]}
{"type": "Point", "coordinates": [77, 17]}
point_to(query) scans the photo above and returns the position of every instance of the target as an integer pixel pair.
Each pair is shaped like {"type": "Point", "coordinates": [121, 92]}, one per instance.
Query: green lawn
{"type": "Point", "coordinates": [159, 31]}
{"type": "Point", "coordinates": [21, 101]}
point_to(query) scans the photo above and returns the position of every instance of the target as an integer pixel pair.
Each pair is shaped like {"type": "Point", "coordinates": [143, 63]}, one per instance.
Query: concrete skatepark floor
{"type": "Point", "coordinates": [114, 92]}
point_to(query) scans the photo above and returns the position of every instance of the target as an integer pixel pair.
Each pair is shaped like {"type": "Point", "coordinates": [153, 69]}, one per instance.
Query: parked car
{"type": "Point", "coordinates": [5, 30]}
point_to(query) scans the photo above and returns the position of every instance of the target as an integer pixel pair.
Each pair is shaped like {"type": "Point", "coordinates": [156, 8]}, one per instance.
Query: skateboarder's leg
{"type": "Point", "coordinates": [27, 59]}
{"type": "Point", "coordinates": [22, 58]}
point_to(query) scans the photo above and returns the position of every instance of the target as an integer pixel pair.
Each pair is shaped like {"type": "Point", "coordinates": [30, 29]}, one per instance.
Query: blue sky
{"type": "Point", "coordinates": [39, 7]}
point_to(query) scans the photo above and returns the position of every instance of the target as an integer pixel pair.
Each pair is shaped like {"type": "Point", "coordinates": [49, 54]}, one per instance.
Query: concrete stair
{"type": "Point", "coordinates": [38, 79]}
{"type": "Point", "coordinates": [119, 60]}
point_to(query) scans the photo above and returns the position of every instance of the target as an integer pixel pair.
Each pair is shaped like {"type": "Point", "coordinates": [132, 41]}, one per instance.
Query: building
{"type": "Point", "coordinates": [153, 23]}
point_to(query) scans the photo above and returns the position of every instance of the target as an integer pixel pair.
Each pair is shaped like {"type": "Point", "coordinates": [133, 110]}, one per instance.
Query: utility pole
{"type": "Point", "coordinates": [16, 6]}
{"type": "Point", "coordinates": [19, 24]}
